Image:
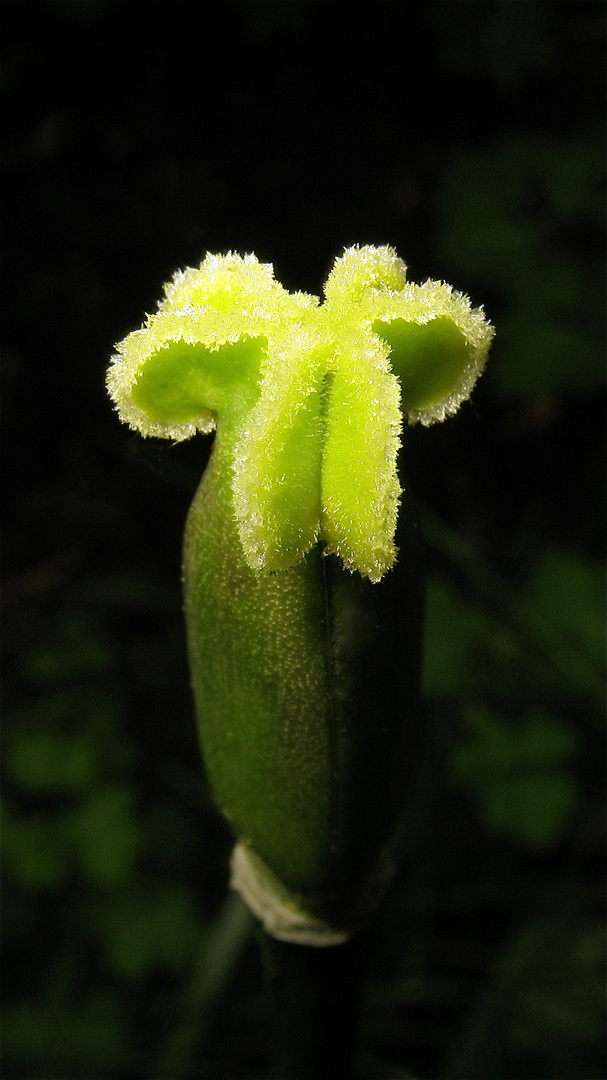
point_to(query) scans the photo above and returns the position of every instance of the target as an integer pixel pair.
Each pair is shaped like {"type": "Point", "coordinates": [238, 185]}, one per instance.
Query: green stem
{"type": "Point", "coordinates": [221, 950]}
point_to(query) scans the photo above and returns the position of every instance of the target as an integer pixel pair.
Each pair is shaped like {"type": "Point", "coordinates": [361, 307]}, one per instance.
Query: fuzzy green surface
{"type": "Point", "coordinates": [258, 662]}
{"type": "Point", "coordinates": [321, 390]}
{"type": "Point", "coordinates": [291, 651]}
{"type": "Point", "coordinates": [304, 755]}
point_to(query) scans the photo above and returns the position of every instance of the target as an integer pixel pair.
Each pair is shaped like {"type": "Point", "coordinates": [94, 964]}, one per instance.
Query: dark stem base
{"type": "Point", "coordinates": [315, 995]}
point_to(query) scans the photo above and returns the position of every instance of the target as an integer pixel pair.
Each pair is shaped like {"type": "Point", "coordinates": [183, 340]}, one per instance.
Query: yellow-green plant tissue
{"type": "Point", "coordinates": [292, 630]}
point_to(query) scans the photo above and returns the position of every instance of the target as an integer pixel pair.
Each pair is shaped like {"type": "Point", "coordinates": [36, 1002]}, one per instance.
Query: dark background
{"type": "Point", "coordinates": [138, 136]}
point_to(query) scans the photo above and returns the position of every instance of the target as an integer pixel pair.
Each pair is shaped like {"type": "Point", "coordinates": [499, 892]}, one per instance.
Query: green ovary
{"type": "Point", "coordinates": [257, 659]}
{"type": "Point", "coordinates": [428, 358]}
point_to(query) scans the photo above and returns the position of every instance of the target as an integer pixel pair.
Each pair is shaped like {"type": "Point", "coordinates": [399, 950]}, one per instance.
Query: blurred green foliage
{"type": "Point", "coordinates": [518, 675]}
{"type": "Point", "coordinates": [471, 139]}
{"type": "Point", "coordinates": [526, 212]}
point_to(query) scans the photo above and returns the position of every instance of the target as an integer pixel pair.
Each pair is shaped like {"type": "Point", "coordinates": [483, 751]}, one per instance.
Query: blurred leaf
{"type": "Point", "coordinates": [563, 607]}
{"type": "Point", "coordinates": [61, 1043]}
{"type": "Point", "coordinates": [541, 643]}
{"type": "Point", "coordinates": [525, 217]}
{"type": "Point", "coordinates": [546, 638]}
{"type": "Point", "coordinates": [35, 850]}
{"type": "Point", "coordinates": [519, 774]}
{"type": "Point", "coordinates": [553, 974]}
{"type": "Point", "coordinates": [45, 763]}
{"type": "Point", "coordinates": [453, 661]}
{"type": "Point", "coordinates": [107, 836]}
{"type": "Point", "coordinates": [545, 1008]}
{"type": "Point", "coordinates": [148, 928]}
{"type": "Point", "coordinates": [80, 650]}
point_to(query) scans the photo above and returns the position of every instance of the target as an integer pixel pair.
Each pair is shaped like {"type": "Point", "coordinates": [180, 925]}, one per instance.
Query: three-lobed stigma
{"type": "Point", "coordinates": [310, 396]}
